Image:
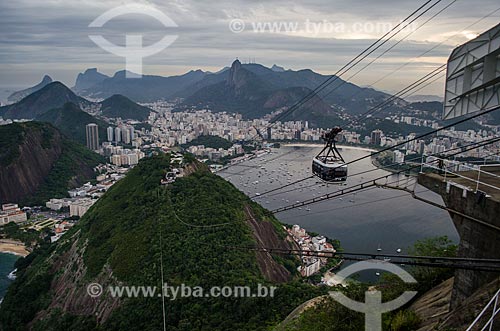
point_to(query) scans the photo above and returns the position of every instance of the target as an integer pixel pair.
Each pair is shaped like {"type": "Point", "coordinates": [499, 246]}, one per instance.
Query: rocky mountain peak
{"type": "Point", "coordinates": [233, 77]}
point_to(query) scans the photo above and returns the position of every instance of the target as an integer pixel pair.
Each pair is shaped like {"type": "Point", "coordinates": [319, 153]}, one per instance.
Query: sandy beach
{"type": "Point", "coordinates": [13, 247]}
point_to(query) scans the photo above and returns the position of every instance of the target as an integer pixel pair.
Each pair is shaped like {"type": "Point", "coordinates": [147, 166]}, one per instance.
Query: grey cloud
{"type": "Point", "coordinates": [37, 34]}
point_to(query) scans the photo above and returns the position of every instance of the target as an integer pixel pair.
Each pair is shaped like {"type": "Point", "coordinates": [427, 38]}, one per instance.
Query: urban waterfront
{"type": "Point", "coordinates": [363, 222]}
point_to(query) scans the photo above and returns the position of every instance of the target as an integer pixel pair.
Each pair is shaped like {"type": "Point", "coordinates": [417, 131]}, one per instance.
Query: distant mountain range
{"type": "Point", "coordinates": [88, 79]}
{"type": "Point", "coordinates": [146, 89]}
{"type": "Point", "coordinates": [253, 90]}
{"type": "Point", "coordinates": [53, 95]}
{"type": "Point", "coordinates": [56, 95]}
{"type": "Point", "coordinates": [19, 95]}
{"type": "Point", "coordinates": [250, 89]}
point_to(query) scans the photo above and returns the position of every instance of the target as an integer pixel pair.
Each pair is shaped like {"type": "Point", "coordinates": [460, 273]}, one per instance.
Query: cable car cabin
{"type": "Point", "coordinates": [329, 164]}
{"type": "Point", "coordinates": [330, 170]}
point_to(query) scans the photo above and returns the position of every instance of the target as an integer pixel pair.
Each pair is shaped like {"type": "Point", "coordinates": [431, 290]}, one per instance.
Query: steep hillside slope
{"type": "Point", "coordinates": [87, 79]}
{"type": "Point", "coordinates": [188, 227]}
{"type": "Point", "coordinates": [340, 95]}
{"type": "Point", "coordinates": [54, 95]}
{"type": "Point", "coordinates": [434, 308]}
{"type": "Point", "coordinates": [246, 91]}
{"type": "Point", "coordinates": [19, 95]}
{"type": "Point", "coordinates": [37, 162]}
{"type": "Point", "coordinates": [121, 106]}
{"type": "Point", "coordinates": [71, 121]}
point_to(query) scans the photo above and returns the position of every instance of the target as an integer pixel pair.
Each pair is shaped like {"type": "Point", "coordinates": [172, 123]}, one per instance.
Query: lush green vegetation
{"type": "Point", "coordinates": [188, 226]}
{"type": "Point", "coordinates": [11, 136]}
{"type": "Point", "coordinates": [71, 121]}
{"type": "Point", "coordinates": [390, 128]}
{"type": "Point", "coordinates": [30, 238]}
{"type": "Point", "coordinates": [53, 95]}
{"type": "Point", "coordinates": [123, 231]}
{"type": "Point", "coordinates": [29, 293]}
{"type": "Point", "coordinates": [437, 246]}
{"type": "Point", "coordinates": [121, 106]}
{"type": "Point", "coordinates": [145, 126]}
{"type": "Point", "coordinates": [74, 167]}
{"type": "Point", "coordinates": [330, 315]}
{"type": "Point", "coordinates": [210, 142]}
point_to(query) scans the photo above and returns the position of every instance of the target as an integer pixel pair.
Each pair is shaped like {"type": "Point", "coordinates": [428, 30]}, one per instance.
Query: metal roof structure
{"type": "Point", "coordinates": [473, 76]}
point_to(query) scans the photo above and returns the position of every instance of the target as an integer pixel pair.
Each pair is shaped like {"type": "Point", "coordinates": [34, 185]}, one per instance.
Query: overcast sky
{"type": "Point", "coordinates": [51, 37]}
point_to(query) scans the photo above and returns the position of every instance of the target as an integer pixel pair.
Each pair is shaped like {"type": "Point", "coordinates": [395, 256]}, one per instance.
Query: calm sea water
{"type": "Point", "coordinates": [6, 266]}
{"type": "Point", "coordinates": [378, 217]}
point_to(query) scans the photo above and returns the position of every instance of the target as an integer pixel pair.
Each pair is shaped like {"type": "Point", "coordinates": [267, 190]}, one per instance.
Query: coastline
{"type": "Point", "coordinates": [13, 247]}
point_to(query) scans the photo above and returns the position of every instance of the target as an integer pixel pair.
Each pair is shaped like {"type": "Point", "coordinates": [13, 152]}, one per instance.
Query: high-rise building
{"type": "Point", "coordinates": [421, 147]}
{"type": "Point", "coordinates": [269, 133]}
{"type": "Point", "coordinates": [110, 133]}
{"type": "Point", "coordinates": [376, 137]}
{"type": "Point", "coordinates": [92, 133]}
{"type": "Point", "coordinates": [132, 132]}
{"type": "Point", "coordinates": [126, 135]}
{"type": "Point", "coordinates": [118, 134]}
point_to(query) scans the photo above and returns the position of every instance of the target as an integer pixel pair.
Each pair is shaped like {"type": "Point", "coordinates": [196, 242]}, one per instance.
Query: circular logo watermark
{"type": "Point", "coordinates": [134, 51]}
{"type": "Point", "coordinates": [94, 290]}
{"type": "Point", "coordinates": [373, 307]}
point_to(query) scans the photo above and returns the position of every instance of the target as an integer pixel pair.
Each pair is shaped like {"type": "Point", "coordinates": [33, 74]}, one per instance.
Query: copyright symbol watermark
{"type": "Point", "coordinates": [94, 290]}
{"type": "Point", "coordinates": [236, 25]}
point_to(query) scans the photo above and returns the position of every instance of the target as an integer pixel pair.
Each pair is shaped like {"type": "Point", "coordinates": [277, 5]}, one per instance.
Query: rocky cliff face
{"type": "Point", "coordinates": [88, 79]}
{"type": "Point", "coordinates": [37, 162]}
{"type": "Point", "coordinates": [37, 152]}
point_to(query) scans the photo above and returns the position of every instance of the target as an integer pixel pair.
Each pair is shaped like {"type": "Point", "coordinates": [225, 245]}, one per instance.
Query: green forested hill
{"type": "Point", "coordinates": [53, 95]}
{"type": "Point", "coordinates": [121, 106]}
{"type": "Point", "coordinates": [71, 121]}
{"type": "Point", "coordinates": [38, 163]}
{"type": "Point", "coordinates": [118, 242]}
